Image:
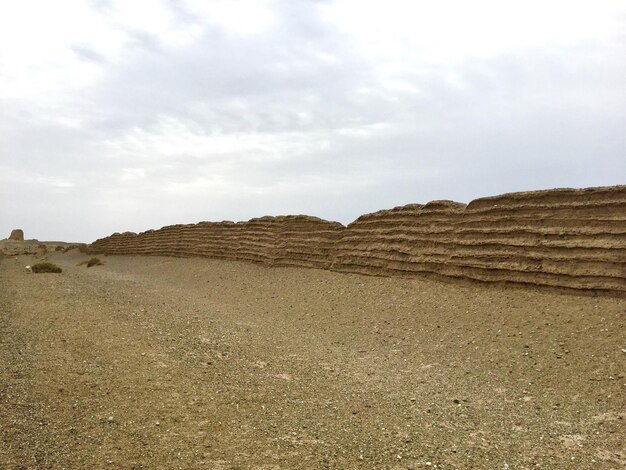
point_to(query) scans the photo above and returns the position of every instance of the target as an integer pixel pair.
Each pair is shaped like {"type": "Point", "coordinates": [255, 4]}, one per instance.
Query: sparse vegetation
{"type": "Point", "coordinates": [58, 248]}
{"type": "Point", "coordinates": [81, 247]}
{"type": "Point", "coordinates": [46, 268]}
{"type": "Point", "coordinates": [94, 262]}
{"type": "Point", "coordinates": [91, 262]}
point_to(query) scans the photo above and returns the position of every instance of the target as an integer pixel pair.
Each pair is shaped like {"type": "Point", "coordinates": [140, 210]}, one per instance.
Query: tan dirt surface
{"type": "Point", "coordinates": [154, 362]}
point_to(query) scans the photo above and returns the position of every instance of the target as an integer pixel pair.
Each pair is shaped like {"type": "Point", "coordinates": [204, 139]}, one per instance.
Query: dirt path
{"type": "Point", "coordinates": [151, 362]}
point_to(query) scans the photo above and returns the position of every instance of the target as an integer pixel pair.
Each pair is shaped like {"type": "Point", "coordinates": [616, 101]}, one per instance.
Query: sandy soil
{"type": "Point", "coordinates": [151, 362]}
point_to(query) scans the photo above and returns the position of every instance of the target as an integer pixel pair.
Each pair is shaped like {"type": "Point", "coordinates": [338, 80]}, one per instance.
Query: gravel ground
{"type": "Point", "coordinates": [154, 362]}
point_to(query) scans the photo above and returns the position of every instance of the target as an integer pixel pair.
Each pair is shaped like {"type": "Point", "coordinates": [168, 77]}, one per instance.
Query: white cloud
{"type": "Point", "coordinates": [454, 30]}
{"type": "Point", "coordinates": [246, 17]}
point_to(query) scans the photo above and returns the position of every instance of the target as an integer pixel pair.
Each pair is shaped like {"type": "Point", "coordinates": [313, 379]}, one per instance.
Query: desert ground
{"type": "Point", "coordinates": [157, 362]}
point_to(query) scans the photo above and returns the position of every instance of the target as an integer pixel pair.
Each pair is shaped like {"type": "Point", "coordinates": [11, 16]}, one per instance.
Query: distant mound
{"type": "Point", "coordinates": [17, 235]}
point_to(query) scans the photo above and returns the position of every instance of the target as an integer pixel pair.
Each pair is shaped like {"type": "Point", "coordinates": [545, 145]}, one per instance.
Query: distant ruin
{"type": "Point", "coordinates": [17, 235]}
{"type": "Point", "coordinates": [570, 238]}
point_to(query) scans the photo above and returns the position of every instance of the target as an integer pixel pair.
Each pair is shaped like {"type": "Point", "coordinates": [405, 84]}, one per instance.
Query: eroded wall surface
{"type": "Point", "coordinates": [279, 241]}
{"type": "Point", "coordinates": [573, 238]}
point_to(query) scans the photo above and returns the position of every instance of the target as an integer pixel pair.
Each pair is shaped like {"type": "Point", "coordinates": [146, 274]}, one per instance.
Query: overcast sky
{"type": "Point", "coordinates": [131, 115]}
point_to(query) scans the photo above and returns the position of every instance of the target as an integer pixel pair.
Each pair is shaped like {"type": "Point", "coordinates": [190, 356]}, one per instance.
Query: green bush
{"type": "Point", "coordinates": [46, 268]}
{"type": "Point", "coordinates": [94, 262]}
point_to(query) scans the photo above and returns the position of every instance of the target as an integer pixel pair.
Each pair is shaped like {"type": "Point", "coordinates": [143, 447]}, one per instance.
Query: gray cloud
{"type": "Point", "coordinates": [88, 54]}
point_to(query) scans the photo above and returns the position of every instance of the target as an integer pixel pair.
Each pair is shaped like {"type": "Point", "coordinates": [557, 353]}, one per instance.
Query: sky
{"type": "Point", "coordinates": [127, 116]}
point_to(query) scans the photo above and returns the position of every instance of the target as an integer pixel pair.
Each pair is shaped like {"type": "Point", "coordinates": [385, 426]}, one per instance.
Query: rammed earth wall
{"type": "Point", "coordinates": [572, 238]}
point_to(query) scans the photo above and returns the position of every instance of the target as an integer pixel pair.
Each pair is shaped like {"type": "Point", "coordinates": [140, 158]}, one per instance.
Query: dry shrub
{"type": "Point", "coordinates": [81, 247]}
{"type": "Point", "coordinates": [94, 262]}
{"type": "Point", "coordinates": [46, 268]}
